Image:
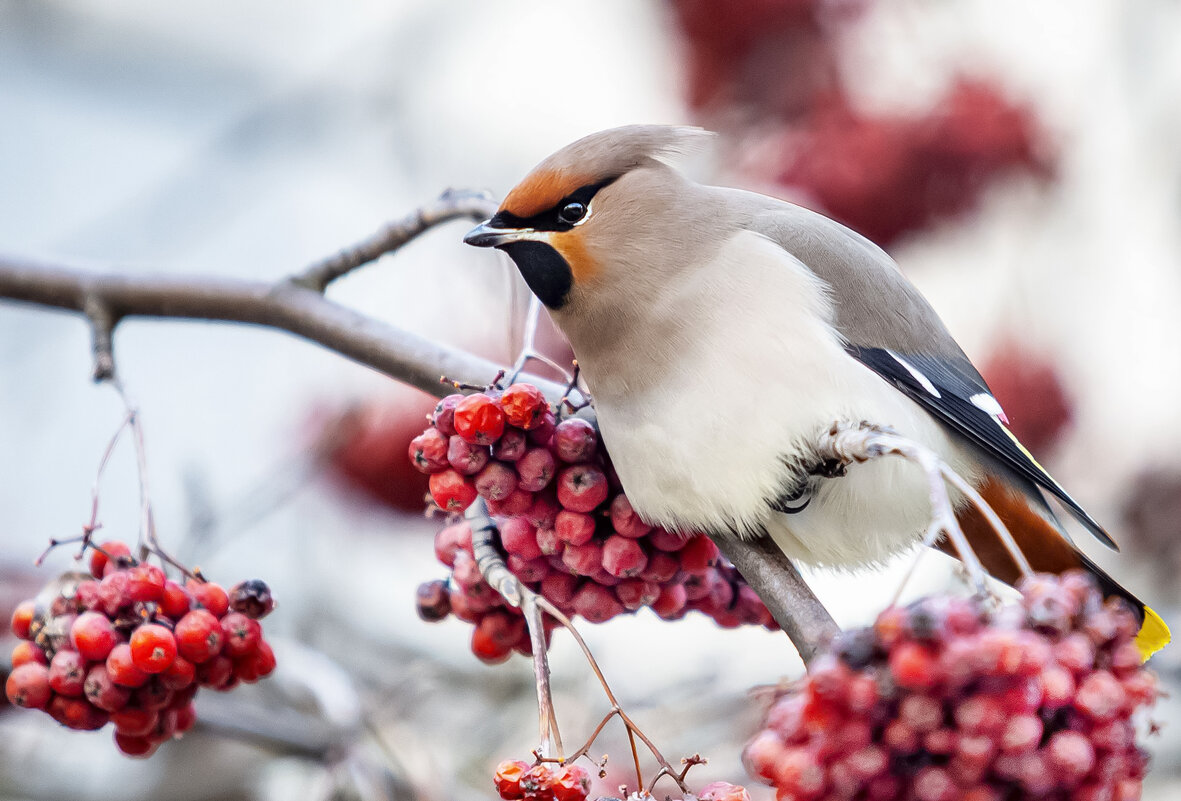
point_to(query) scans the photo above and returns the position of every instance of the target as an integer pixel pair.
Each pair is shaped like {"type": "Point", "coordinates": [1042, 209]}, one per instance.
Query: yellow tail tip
{"type": "Point", "coordinates": [1154, 634]}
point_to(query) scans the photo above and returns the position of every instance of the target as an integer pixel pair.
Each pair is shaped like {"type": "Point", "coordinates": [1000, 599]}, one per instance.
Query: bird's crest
{"type": "Point", "coordinates": [597, 158]}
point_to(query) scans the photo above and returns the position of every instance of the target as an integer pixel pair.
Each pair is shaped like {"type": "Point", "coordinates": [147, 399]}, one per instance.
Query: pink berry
{"type": "Point", "coordinates": [511, 446]}
{"type": "Point", "coordinates": [520, 538]}
{"type": "Point", "coordinates": [518, 502]}
{"type": "Point", "coordinates": [496, 481]}
{"type": "Point", "coordinates": [444, 416]}
{"type": "Point", "coordinates": [559, 588]}
{"type": "Point", "coordinates": [575, 440]}
{"type": "Point", "coordinates": [536, 469]}
{"type": "Point", "coordinates": [636, 593]}
{"type": "Point", "coordinates": [543, 512]}
{"type": "Point", "coordinates": [596, 603]}
{"type": "Point", "coordinates": [466, 457]}
{"type": "Point", "coordinates": [583, 559]}
{"type": "Point", "coordinates": [574, 528]}
{"type": "Point", "coordinates": [624, 519]}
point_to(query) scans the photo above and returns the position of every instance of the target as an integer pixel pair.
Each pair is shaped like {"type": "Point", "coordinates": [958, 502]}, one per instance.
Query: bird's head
{"type": "Point", "coordinates": [583, 226]}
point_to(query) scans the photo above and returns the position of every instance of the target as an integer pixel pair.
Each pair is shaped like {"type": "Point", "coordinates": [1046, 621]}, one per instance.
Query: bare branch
{"type": "Point", "coordinates": [451, 205]}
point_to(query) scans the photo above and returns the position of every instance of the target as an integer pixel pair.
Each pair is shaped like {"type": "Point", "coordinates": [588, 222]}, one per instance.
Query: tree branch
{"type": "Point", "coordinates": [297, 305]}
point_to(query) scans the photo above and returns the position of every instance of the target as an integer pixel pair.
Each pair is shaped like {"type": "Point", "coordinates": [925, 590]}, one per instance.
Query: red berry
{"type": "Point", "coordinates": [133, 721]}
{"type": "Point", "coordinates": [572, 783]}
{"type": "Point", "coordinates": [175, 601]}
{"type": "Point", "coordinates": [77, 713]}
{"type": "Point", "coordinates": [451, 540]}
{"type": "Point", "coordinates": [698, 554]}
{"type": "Point", "coordinates": [93, 636]}
{"type": "Point", "coordinates": [559, 588]}
{"type": "Point", "coordinates": [524, 406]}
{"type": "Point", "coordinates": [134, 745]}
{"type": "Point", "coordinates": [153, 647]}
{"type": "Point", "coordinates": [575, 440]}
{"type": "Point", "coordinates": [518, 502]}
{"type": "Point", "coordinates": [217, 673]}
{"type": "Point", "coordinates": [452, 491]}
{"type": "Point", "coordinates": [508, 779]}
{"type": "Point", "coordinates": [67, 673]}
{"type": "Point", "coordinates": [241, 634]}
{"type": "Point", "coordinates": [537, 783]}
{"type": "Point", "coordinates": [574, 528]}
{"type": "Point", "coordinates": [103, 692]}
{"type": "Point", "coordinates": [636, 593]}
{"type": "Point", "coordinates": [671, 603]}
{"type": "Point", "coordinates": [263, 659]}
{"type": "Point", "coordinates": [112, 592]}
{"type": "Point", "coordinates": [543, 511]}
{"type": "Point", "coordinates": [913, 666]}
{"type": "Point", "coordinates": [535, 469]}
{"type": "Point", "coordinates": [428, 451]}
{"type": "Point", "coordinates": [596, 603]}
{"type": "Point", "coordinates": [488, 649]}
{"type": "Point", "coordinates": [22, 619]}
{"type": "Point", "coordinates": [520, 538]}
{"type": "Point", "coordinates": [145, 583]}
{"type": "Point", "coordinates": [582, 487]}
{"type": "Point", "coordinates": [624, 519]}
{"type": "Point", "coordinates": [180, 674]}
{"type": "Point", "coordinates": [122, 669]}
{"type": "Point", "coordinates": [585, 559]}
{"type": "Point", "coordinates": [26, 653]}
{"type": "Point", "coordinates": [544, 432]}
{"type": "Point", "coordinates": [28, 686]}
{"type": "Point", "coordinates": [209, 596]}
{"type": "Point", "coordinates": [623, 557]}
{"type": "Point", "coordinates": [99, 561]}
{"type": "Point", "coordinates": [479, 420]}
{"type": "Point", "coordinates": [186, 718]}
{"type": "Point", "coordinates": [198, 636]}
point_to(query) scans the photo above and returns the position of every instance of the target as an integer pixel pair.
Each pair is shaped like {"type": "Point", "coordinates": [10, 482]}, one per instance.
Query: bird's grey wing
{"type": "Point", "coordinates": [891, 329]}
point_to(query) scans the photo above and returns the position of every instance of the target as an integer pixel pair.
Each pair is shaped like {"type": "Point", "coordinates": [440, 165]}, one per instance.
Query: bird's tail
{"type": "Point", "coordinates": [1047, 551]}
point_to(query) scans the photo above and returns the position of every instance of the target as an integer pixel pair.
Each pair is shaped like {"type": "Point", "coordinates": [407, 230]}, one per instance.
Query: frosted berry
{"type": "Point", "coordinates": [496, 481]}
{"type": "Point", "coordinates": [575, 440]}
{"type": "Point", "coordinates": [465, 457]}
{"type": "Point", "coordinates": [536, 469]}
{"type": "Point", "coordinates": [511, 446]}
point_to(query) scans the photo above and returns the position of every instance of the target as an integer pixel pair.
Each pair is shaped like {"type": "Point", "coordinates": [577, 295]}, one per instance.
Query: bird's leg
{"type": "Point", "coordinates": [846, 443]}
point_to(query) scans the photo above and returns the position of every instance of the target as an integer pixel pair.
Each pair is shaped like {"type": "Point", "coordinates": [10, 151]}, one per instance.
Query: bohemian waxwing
{"type": "Point", "coordinates": [721, 331]}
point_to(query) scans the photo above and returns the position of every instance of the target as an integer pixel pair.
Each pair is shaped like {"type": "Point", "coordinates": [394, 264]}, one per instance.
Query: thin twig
{"type": "Point", "coordinates": [451, 205]}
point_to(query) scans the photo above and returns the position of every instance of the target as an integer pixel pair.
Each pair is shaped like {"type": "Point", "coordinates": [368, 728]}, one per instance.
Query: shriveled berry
{"type": "Point", "coordinates": [433, 600]}
{"type": "Point", "coordinates": [508, 779]}
{"type": "Point", "coordinates": [252, 598]}
{"type": "Point", "coordinates": [572, 783]}
{"type": "Point", "coordinates": [479, 420]}
{"type": "Point", "coordinates": [524, 406]}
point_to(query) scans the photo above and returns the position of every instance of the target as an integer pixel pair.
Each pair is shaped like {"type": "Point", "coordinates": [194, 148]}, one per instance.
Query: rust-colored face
{"type": "Point", "coordinates": [539, 225]}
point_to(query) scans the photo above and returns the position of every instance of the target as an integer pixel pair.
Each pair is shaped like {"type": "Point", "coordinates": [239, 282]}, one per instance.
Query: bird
{"type": "Point", "coordinates": [720, 331]}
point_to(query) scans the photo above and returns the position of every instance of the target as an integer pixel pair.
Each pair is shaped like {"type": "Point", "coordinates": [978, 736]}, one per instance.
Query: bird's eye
{"type": "Point", "coordinates": [572, 212]}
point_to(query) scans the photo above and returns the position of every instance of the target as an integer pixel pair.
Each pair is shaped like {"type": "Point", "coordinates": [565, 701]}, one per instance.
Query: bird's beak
{"type": "Point", "coordinates": [485, 235]}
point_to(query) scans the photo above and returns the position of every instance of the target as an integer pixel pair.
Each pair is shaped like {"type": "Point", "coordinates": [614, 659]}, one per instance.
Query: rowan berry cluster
{"type": "Point", "coordinates": [945, 701]}
{"type": "Point", "coordinates": [566, 528]}
{"type": "Point", "coordinates": [129, 646]}
{"type": "Point", "coordinates": [516, 780]}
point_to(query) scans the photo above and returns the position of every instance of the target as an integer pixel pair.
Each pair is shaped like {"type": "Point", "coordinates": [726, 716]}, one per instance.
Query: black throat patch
{"type": "Point", "coordinates": [545, 271]}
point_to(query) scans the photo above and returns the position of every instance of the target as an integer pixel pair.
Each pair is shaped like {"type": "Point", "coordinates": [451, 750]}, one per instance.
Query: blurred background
{"type": "Point", "coordinates": [1020, 160]}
